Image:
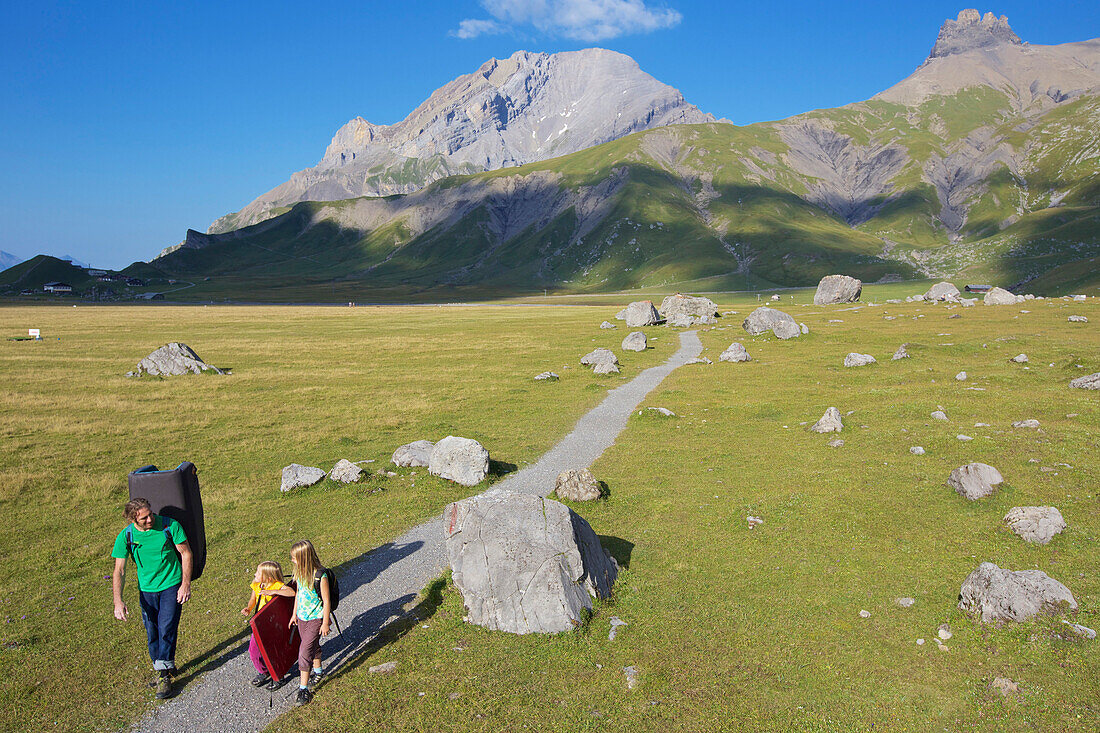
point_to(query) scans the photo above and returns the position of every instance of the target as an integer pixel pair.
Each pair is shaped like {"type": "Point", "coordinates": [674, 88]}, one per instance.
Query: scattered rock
{"type": "Point", "coordinates": [764, 319]}
{"type": "Point", "coordinates": [920, 642]}
{"type": "Point", "coordinates": [1080, 630]}
{"type": "Point", "coordinates": [803, 328]}
{"type": "Point", "coordinates": [1079, 298]}
{"type": "Point", "coordinates": [1026, 424]}
{"type": "Point", "coordinates": [944, 632]}
{"type": "Point", "coordinates": [577, 485]}
{"type": "Point", "coordinates": [699, 360]}
{"type": "Point", "coordinates": [902, 352]}
{"type": "Point", "coordinates": [968, 302]}
{"type": "Point", "coordinates": [172, 360]}
{"type": "Point", "coordinates": [786, 330]}
{"type": "Point", "coordinates": [634, 341]}
{"type": "Point", "coordinates": [775, 298]}
{"type": "Point", "coordinates": [641, 313]}
{"type": "Point", "coordinates": [941, 291]}
{"type": "Point", "coordinates": [1077, 319]}
{"type": "Point", "coordinates": [414, 454]}
{"type": "Point", "coordinates": [1000, 296]}
{"type": "Point", "coordinates": [906, 602]}
{"type": "Point", "coordinates": [688, 305]}
{"type": "Point", "coordinates": [385, 668]}
{"type": "Point", "coordinates": [1004, 686]}
{"type": "Point", "coordinates": [855, 360]}
{"type": "Point", "coordinates": [680, 320]}
{"type": "Point", "coordinates": [939, 415]}
{"type": "Point", "coordinates": [631, 675]}
{"type": "Point", "coordinates": [1092, 381]}
{"type": "Point", "coordinates": [606, 367]}
{"type": "Point", "coordinates": [753, 521]}
{"type": "Point", "coordinates": [607, 324]}
{"type": "Point", "coordinates": [953, 315]}
{"type": "Point", "coordinates": [837, 289]}
{"type": "Point", "coordinates": [462, 460]}
{"type": "Point", "coordinates": [960, 436]}
{"type": "Point", "coordinates": [345, 472]}
{"type": "Point", "coordinates": [621, 315]}
{"type": "Point", "coordinates": [547, 376]}
{"type": "Point", "coordinates": [864, 613]}
{"type": "Point", "coordinates": [1035, 524]}
{"type": "Point", "coordinates": [597, 356]}
{"type": "Point", "coordinates": [735, 352]}
{"type": "Point", "coordinates": [616, 622]}
{"type": "Point", "coordinates": [1019, 359]}
{"type": "Point", "coordinates": [525, 564]}
{"type": "Point", "coordinates": [297, 476]}
{"type": "Point", "coordinates": [835, 443]}
{"type": "Point", "coordinates": [975, 480]}
{"type": "Point", "coordinates": [830, 422]}
{"type": "Point", "coordinates": [662, 411]}
{"type": "Point", "coordinates": [917, 450]}
{"type": "Point", "coordinates": [997, 594]}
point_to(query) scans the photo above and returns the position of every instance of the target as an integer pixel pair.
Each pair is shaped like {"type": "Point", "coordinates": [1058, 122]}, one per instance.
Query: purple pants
{"type": "Point", "coordinates": [310, 647]}
{"type": "Point", "coordinates": [254, 654]}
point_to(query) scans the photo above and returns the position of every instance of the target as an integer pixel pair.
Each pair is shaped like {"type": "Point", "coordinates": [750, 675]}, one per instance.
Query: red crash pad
{"type": "Point", "coordinates": [278, 644]}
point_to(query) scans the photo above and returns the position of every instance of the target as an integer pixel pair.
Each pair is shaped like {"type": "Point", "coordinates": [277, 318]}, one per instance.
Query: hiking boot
{"type": "Point", "coordinates": [304, 696]}
{"type": "Point", "coordinates": [164, 687]}
{"type": "Point", "coordinates": [261, 679]}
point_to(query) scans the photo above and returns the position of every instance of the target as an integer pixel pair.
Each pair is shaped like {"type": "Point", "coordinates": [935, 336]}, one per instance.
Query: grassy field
{"type": "Point", "coordinates": [729, 628]}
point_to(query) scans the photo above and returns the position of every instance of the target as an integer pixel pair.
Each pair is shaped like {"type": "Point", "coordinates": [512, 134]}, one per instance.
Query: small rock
{"type": "Point", "coordinates": [1079, 298]}
{"type": "Point", "coordinates": [1004, 686]}
{"type": "Point", "coordinates": [753, 521]}
{"type": "Point", "coordinates": [901, 353]}
{"type": "Point", "coordinates": [598, 356]}
{"type": "Point", "coordinates": [662, 411]}
{"type": "Point", "coordinates": [944, 632]}
{"type": "Point", "coordinates": [1019, 359]}
{"type": "Point", "coordinates": [917, 450]}
{"type": "Point", "coordinates": [631, 675]}
{"type": "Point", "coordinates": [345, 472]}
{"type": "Point", "coordinates": [296, 476]}
{"type": "Point", "coordinates": [462, 460]}
{"type": "Point", "coordinates": [960, 377]}
{"type": "Point", "coordinates": [1080, 630]}
{"type": "Point", "coordinates": [939, 415]}
{"type": "Point", "coordinates": [803, 328]}
{"type": "Point", "coordinates": [981, 425]}
{"type": "Point", "coordinates": [699, 360]}
{"type": "Point", "coordinates": [975, 480]}
{"type": "Point", "coordinates": [454, 695]}
{"type": "Point", "coordinates": [954, 315]}
{"type": "Point", "coordinates": [607, 324]}
{"type": "Point", "coordinates": [606, 367]}
{"type": "Point", "coordinates": [634, 341]}
{"type": "Point", "coordinates": [577, 485]}
{"type": "Point", "coordinates": [855, 360]}
{"type": "Point", "coordinates": [1035, 524]}
{"type": "Point", "coordinates": [906, 601]}
{"type": "Point", "coordinates": [920, 642]}
{"type": "Point", "coordinates": [835, 443]}
{"type": "Point", "coordinates": [735, 352]}
{"type": "Point", "coordinates": [1092, 381]}
{"type": "Point", "coordinates": [786, 330]}
{"type": "Point", "coordinates": [1077, 319]}
{"type": "Point", "coordinates": [616, 622]}
{"type": "Point", "coordinates": [547, 376]}
{"type": "Point", "coordinates": [830, 422]}
{"type": "Point", "coordinates": [385, 668]}
{"type": "Point", "coordinates": [864, 614]}
{"type": "Point", "coordinates": [413, 454]}
{"type": "Point", "coordinates": [960, 436]}
{"type": "Point", "coordinates": [1026, 424]}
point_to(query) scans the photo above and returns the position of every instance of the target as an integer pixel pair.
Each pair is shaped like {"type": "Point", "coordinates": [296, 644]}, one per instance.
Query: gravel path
{"type": "Point", "coordinates": [378, 586]}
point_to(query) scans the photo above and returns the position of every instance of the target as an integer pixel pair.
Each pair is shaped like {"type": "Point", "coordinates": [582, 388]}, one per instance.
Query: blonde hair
{"type": "Point", "coordinates": [270, 572]}
{"type": "Point", "coordinates": [306, 562]}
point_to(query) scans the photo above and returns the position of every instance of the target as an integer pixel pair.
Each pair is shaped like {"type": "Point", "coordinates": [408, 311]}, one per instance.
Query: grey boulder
{"type": "Point", "coordinates": [837, 289]}
{"type": "Point", "coordinates": [735, 352]}
{"type": "Point", "coordinates": [172, 360]}
{"type": "Point", "coordinates": [525, 564]}
{"type": "Point", "coordinates": [296, 476]}
{"type": "Point", "coordinates": [679, 320]}
{"type": "Point", "coordinates": [1019, 359]}
{"type": "Point", "coordinates": [596, 356]}
{"type": "Point", "coordinates": [607, 324]}
{"type": "Point", "coordinates": [641, 313]}
{"type": "Point", "coordinates": [462, 460]}
{"type": "Point", "coordinates": [688, 305]}
{"type": "Point", "coordinates": [975, 480]}
{"type": "Point", "coordinates": [606, 367]}
{"type": "Point", "coordinates": [942, 291]}
{"type": "Point", "coordinates": [345, 472]}
{"type": "Point", "coordinates": [764, 319]}
{"type": "Point", "coordinates": [1035, 524]}
{"type": "Point", "coordinates": [830, 422]}
{"type": "Point", "coordinates": [577, 485]}
{"type": "Point", "coordinates": [1000, 296]}
{"type": "Point", "coordinates": [634, 341]}
{"type": "Point", "coordinates": [414, 454]}
{"type": "Point", "coordinates": [786, 330]}
{"type": "Point", "coordinates": [1092, 381]}
{"type": "Point", "coordinates": [998, 594]}
{"type": "Point", "coordinates": [856, 360]}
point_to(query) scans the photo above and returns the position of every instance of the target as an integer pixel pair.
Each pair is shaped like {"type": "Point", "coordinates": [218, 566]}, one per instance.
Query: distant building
{"type": "Point", "coordinates": [151, 296]}
{"type": "Point", "coordinates": [57, 287]}
{"type": "Point", "coordinates": [135, 282]}
{"type": "Point", "coordinates": [96, 273]}
{"type": "Point", "coordinates": [978, 288]}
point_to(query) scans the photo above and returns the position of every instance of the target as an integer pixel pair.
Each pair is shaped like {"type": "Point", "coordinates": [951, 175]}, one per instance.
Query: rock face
{"type": "Point", "coordinates": [641, 313]}
{"type": "Point", "coordinates": [345, 472]}
{"type": "Point", "coordinates": [1000, 296]}
{"type": "Point", "coordinates": [1092, 381]}
{"type": "Point", "coordinates": [1035, 524]}
{"type": "Point", "coordinates": [997, 594]}
{"type": "Point", "coordinates": [941, 291]}
{"type": "Point", "coordinates": [528, 107]}
{"type": "Point", "coordinates": [830, 422]}
{"type": "Point", "coordinates": [296, 476]}
{"type": "Point", "coordinates": [461, 460]}
{"type": "Point", "coordinates": [634, 341]}
{"type": "Point", "coordinates": [688, 305]}
{"type": "Point", "coordinates": [172, 360]}
{"type": "Point", "coordinates": [970, 32]}
{"type": "Point", "coordinates": [577, 485]}
{"type": "Point", "coordinates": [525, 564]}
{"type": "Point", "coordinates": [975, 480]}
{"type": "Point", "coordinates": [413, 454]}
{"type": "Point", "coordinates": [735, 352]}
{"type": "Point", "coordinates": [837, 289]}
{"type": "Point", "coordinates": [855, 360]}
{"type": "Point", "coordinates": [765, 319]}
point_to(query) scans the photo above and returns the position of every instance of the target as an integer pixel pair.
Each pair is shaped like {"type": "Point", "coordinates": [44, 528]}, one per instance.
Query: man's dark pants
{"type": "Point", "coordinates": [161, 614]}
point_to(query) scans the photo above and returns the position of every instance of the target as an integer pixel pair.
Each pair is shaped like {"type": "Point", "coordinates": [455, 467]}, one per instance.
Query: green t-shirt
{"type": "Point", "coordinates": [158, 563]}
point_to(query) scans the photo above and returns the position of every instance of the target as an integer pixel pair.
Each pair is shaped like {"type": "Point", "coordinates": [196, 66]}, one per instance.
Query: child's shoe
{"type": "Point", "coordinates": [315, 675]}
{"type": "Point", "coordinates": [164, 687]}
{"type": "Point", "coordinates": [261, 679]}
{"type": "Point", "coordinates": [304, 696]}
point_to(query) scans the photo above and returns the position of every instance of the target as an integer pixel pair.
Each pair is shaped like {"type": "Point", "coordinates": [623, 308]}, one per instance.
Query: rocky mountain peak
{"type": "Point", "coordinates": [970, 31]}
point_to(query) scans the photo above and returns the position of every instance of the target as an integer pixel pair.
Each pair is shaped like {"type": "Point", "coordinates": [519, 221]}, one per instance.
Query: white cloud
{"type": "Point", "coordinates": [580, 20]}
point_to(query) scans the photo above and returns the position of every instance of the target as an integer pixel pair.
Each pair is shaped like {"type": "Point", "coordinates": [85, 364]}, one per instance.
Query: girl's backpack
{"type": "Point", "coordinates": [333, 586]}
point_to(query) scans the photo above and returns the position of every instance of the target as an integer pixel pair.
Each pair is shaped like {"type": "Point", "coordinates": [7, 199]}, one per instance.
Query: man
{"type": "Point", "coordinates": [163, 559]}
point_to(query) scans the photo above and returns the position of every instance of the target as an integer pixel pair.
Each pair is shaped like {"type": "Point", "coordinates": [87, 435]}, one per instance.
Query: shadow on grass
{"type": "Point", "coordinates": [619, 548]}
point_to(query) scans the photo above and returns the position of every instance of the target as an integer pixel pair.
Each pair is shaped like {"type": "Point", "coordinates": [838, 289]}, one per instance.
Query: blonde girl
{"type": "Point", "coordinates": [312, 613]}
{"type": "Point", "coordinates": [267, 582]}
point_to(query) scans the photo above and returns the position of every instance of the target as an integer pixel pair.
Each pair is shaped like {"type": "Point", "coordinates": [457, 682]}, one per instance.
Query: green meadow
{"type": "Point", "coordinates": [730, 627]}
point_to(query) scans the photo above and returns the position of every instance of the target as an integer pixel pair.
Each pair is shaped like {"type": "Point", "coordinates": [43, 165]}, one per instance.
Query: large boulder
{"type": "Point", "coordinates": [765, 319]}
{"type": "Point", "coordinates": [172, 360]}
{"type": "Point", "coordinates": [688, 305]}
{"type": "Point", "coordinates": [606, 367]}
{"type": "Point", "coordinates": [997, 594]}
{"type": "Point", "coordinates": [735, 352]}
{"type": "Point", "coordinates": [414, 454]}
{"type": "Point", "coordinates": [1000, 296]}
{"type": "Point", "coordinates": [525, 564]}
{"type": "Point", "coordinates": [296, 476]}
{"type": "Point", "coordinates": [855, 359]}
{"type": "Point", "coordinates": [634, 341]}
{"type": "Point", "coordinates": [837, 289]}
{"type": "Point", "coordinates": [975, 480]}
{"type": "Point", "coordinates": [1092, 381]}
{"type": "Point", "coordinates": [1035, 524]}
{"type": "Point", "coordinates": [942, 291]}
{"type": "Point", "coordinates": [596, 356]}
{"type": "Point", "coordinates": [787, 330]}
{"type": "Point", "coordinates": [345, 472]}
{"type": "Point", "coordinates": [461, 460]}
{"type": "Point", "coordinates": [641, 313]}
{"type": "Point", "coordinates": [577, 485]}
{"type": "Point", "coordinates": [830, 422]}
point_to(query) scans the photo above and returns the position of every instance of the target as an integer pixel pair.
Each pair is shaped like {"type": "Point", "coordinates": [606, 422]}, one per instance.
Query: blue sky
{"type": "Point", "coordinates": [125, 123]}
